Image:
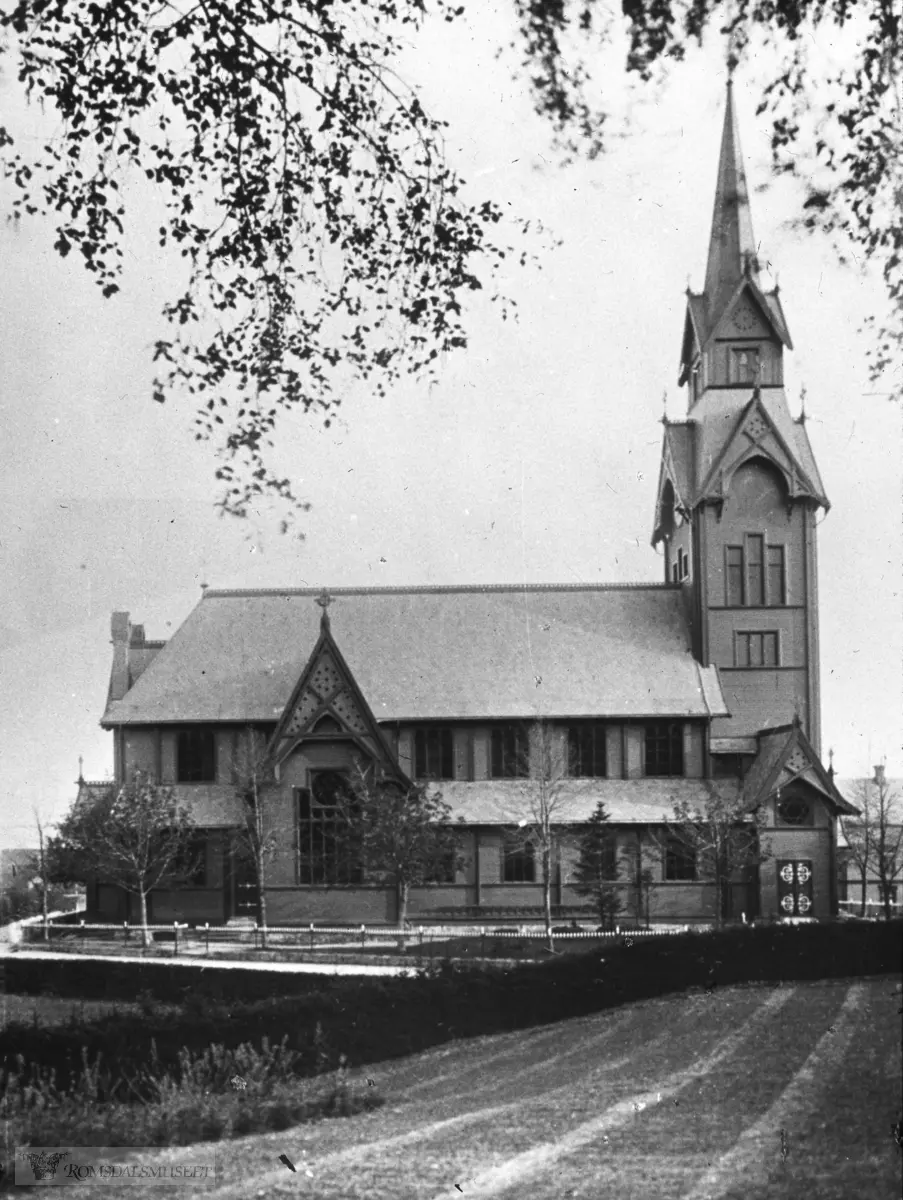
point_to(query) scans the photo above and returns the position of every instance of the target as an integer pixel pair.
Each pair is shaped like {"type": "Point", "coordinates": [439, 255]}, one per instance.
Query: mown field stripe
{"type": "Point", "coordinates": [757, 1152]}
{"type": "Point", "coordinates": [520, 1167]}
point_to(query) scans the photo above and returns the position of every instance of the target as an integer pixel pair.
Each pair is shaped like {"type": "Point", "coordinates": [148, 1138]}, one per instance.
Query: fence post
{"type": "Point", "coordinates": [420, 949]}
{"type": "Point", "coordinates": [125, 929]}
{"type": "Point", "coordinates": [311, 935]}
{"type": "Point", "coordinates": [363, 936]}
{"type": "Point", "coordinates": [175, 939]}
{"type": "Point", "coordinates": [482, 941]}
{"type": "Point", "coordinates": [255, 934]}
{"type": "Point", "coordinates": [207, 936]}
{"type": "Point", "coordinates": [81, 926]}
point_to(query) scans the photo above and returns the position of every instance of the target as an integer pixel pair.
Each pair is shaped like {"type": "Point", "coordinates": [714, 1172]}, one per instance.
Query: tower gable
{"type": "Point", "coordinates": [755, 436]}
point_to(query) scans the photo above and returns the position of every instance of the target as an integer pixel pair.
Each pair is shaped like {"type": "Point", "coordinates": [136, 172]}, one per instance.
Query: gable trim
{"type": "Point", "coordinates": [326, 644]}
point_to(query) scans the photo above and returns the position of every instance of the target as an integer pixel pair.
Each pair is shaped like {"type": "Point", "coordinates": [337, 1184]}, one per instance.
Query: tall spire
{"type": "Point", "coordinates": [732, 246]}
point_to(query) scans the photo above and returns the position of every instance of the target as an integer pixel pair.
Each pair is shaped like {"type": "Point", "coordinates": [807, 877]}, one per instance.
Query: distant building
{"type": "Point", "coordinates": [706, 683]}
{"type": "Point", "coordinates": [863, 794]}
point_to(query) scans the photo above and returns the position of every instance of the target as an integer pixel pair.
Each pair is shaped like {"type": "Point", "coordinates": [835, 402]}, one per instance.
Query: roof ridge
{"type": "Point", "coordinates": [440, 589]}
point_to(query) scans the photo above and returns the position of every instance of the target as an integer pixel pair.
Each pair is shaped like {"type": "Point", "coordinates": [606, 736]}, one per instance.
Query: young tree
{"type": "Point", "coordinates": [875, 837]}
{"type": "Point", "coordinates": [595, 873]}
{"type": "Point", "coordinates": [637, 857]}
{"type": "Point", "coordinates": [42, 873]}
{"type": "Point", "coordinates": [135, 835]}
{"type": "Point", "coordinates": [542, 799]}
{"type": "Point", "coordinates": [259, 838]}
{"type": "Point", "coordinates": [402, 835]}
{"type": "Point", "coordinates": [720, 837]}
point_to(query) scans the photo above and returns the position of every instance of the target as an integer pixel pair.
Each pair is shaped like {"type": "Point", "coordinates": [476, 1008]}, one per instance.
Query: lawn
{"type": "Point", "coordinates": [52, 1011]}
{"type": "Point", "coordinates": [760, 1092]}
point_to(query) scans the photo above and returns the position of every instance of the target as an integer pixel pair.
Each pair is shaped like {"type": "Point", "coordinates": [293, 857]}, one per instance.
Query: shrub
{"type": "Point", "coordinates": [216, 1094]}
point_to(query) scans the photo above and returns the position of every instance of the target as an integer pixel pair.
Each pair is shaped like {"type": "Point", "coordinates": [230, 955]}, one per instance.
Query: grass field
{"type": "Point", "coordinates": [747, 1093]}
{"type": "Point", "coordinates": [50, 1011]}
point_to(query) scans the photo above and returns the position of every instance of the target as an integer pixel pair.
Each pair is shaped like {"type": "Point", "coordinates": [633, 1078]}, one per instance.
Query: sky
{"type": "Point", "coordinates": [534, 458]}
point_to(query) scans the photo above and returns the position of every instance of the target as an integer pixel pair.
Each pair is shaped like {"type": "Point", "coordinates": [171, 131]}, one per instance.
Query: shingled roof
{"type": "Point", "coordinates": [627, 801]}
{"type": "Point", "coordinates": [434, 653]}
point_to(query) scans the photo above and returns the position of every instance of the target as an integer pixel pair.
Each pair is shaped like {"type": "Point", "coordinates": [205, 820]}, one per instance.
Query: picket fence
{"type": "Point", "coordinates": [421, 938]}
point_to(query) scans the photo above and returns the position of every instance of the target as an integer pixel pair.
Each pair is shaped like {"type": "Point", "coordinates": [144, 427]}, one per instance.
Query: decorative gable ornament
{"type": "Point", "coordinates": [327, 702]}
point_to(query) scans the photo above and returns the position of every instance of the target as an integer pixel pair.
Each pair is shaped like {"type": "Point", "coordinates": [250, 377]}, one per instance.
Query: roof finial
{"type": "Point", "coordinates": [802, 416]}
{"type": "Point", "coordinates": [664, 406]}
{"type": "Point", "coordinates": [81, 773]}
{"type": "Point", "coordinates": [831, 763]}
{"type": "Point", "coordinates": [324, 600]}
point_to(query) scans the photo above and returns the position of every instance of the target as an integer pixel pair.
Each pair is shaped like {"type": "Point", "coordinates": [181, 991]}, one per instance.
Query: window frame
{"type": "Point", "coordinates": [447, 873]}
{"type": "Point", "coordinates": [443, 749]}
{"type": "Point", "coordinates": [807, 821]}
{"type": "Point", "coordinates": [598, 736]}
{"type": "Point", "coordinates": [735, 375]}
{"type": "Point", "coordinates": [509, 761]}
{"type": "Point", "coordinates": [206, 757]}
{"type": "Point", "coordinates": [670, 733]}
{"type": "Point", "coordinates": [316, 865]}
{"type": "Point", "coordinates": [781, 548]}
{"type": "Point", "coordinates": [518, 859]}
{"type": "Point", "coordinates": [680, 858]}
{"type": "Point", "coordinates": [740, 566]}
{"type": "Point", "coordinates": [748, 640]}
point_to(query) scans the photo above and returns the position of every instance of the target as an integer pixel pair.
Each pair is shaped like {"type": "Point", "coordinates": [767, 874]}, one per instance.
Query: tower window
{"type": "Point", "coordinates": [777, 583]}
{"type": "Point", "coordinates": [755, 575]}
{"type": "Point", "coordinates": [756, 649]}
{"type": "Point", "coordinates": [664, 748]}
{"type": "Point", "coordinates": [433, 753]}
{"type": "Point", "coordinates": [744, 366]}
{"type": "Point", "coordinates": [734, 574]}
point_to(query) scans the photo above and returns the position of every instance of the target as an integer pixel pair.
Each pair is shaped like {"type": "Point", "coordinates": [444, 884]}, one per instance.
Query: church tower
{"type": "Point", "coordinates": [739, 491]}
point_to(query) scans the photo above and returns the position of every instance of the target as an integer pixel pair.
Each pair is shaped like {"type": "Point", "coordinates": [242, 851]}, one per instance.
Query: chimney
{"type": "Point", "coordinates": [879, 775]}
{"type": "Point", "coordinates": [121, 630]}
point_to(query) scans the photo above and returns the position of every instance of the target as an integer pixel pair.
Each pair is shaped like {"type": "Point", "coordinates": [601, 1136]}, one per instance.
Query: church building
{"type": "Point", "coordinates": [704, 686]}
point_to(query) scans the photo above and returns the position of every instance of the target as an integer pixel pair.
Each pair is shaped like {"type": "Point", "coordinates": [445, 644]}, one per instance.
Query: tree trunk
{"type": "Point", "coordinates": [262, 899]}
{"type": "Point", "coordinates": [547, 893]}
{"type": "Point", "coordinates": [864, 890]}
{"type": "Point", "coordinates": [401, 909]}
{"type": "Point", "coordinates": [145, 938]}
{"type": "Point", "coordinates": [44, 912]}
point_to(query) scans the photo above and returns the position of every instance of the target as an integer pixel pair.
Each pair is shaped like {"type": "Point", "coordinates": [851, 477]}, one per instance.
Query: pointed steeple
{"type": "Point", "coordinates": [732, 245]}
